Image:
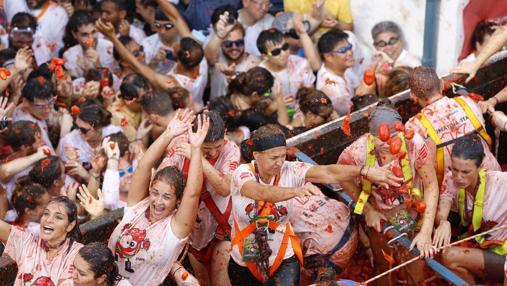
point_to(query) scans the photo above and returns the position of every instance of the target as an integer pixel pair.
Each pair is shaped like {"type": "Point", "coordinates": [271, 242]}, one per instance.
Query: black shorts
{"type": "Point", "coordinates": [286, 275]}
{"type": "Point", "coordinates": [493, 266]}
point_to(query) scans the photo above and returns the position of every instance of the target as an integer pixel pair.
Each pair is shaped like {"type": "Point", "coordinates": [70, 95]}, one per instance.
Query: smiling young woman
{"type": "Point", "coordinates": [46, 257]}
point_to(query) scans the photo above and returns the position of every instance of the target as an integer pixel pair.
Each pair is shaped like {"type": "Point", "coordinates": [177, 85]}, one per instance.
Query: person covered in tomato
{"type": "Point", "coordinates": [210, 239]}
{"type": "Point", "coordinates": [328, 236]}
{"type": "Point", "coordinates": [265, 249]}
{"type": "Point", "coordinates": [160, 211]}
{"type": "Point", "coordinates": [388, 143]}
{"type": "Point", "coordinates": [479, 196]}
{"type": "Point", "coordinates": [443, 120]}
{"type": "Point", "coordinates": [95, 265]}
{"type": "Point", "coordinates": [46, 258]}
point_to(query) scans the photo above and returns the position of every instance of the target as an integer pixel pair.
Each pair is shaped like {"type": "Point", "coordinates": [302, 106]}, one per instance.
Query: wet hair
{"type": "Point", "coordinates": [256, 79]}
{"type": "Point", "coordinates": [125, 40]}
{"type": "Point", "coordinates": [94, 114]}
{"type": "Point", "coordinates": [132, 85]}
{"type": "Point", "coordinates": [469, 148]}
{"type": "Point", "coordinates": [38, 87]}
{"type": "Point", "coordinates": [246, 150]}
{"type": "Point", "coordinates": [314, 101]}
{"type": "Point", "coordinates": [71, 212]}
{"type": "Point", "coordinates": [172, 176]}
{"type": "Point", "coordinates": [482, 29]}
{"type": "Point", "coordinates": [21, 133]}
{"type": "Point", "coordinates": [397, 81]}
{"type": "Point", "coordinates": [179, 96]}
{"type": "Point", "coordinates": [330, 39]}
{"type": "Point", "coordinates": [46, 171]}
{"type": "Point", "coordinates": [157, 102]}
{"type": "Point", "coordinates": [223, 106]}
{"type": "Point", "coordinates": [121, 140]}
{"type": "Point", "coordinates": [190, 52]}
{"type": "Point", "coordinates": [215, 17]}
{"type": "Point", "coordinates": [216, 129]}
{"type": "Point", "coordinates": [26, 195]}
{"type": "Point", "coordinates": [100, 259]}
{"type": "Point", "coordinates": [386, 26]}
{"type": "Point", "coordinates": [23, 20]}
{"type": "Point", "coordinates": [271, 35]}
{"type": "Point", "coordinates": [424, 82]}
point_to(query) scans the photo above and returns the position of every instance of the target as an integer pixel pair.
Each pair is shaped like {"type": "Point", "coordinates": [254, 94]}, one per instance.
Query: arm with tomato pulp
{"type": "Point", "coordinates": [186, 214]}
{"type": "Point", "coordinates": [140, 184]}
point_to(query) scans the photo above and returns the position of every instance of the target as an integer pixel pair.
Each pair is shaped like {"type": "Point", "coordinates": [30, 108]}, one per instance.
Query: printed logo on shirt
{"type": "Point", "coordinates": [130, 242]}
{"type": "Point", "coordinates": [276, 212]}
{"type": "Point", "coordinates": [233, 165]}
{"type": "Point", "coordinates": [245, 175]}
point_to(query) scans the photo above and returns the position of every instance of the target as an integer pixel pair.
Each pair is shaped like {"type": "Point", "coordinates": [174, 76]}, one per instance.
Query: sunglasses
{"type": "Point", "coordinates": [238, 43]}
{"type": "Point", "coordinates": [278, 51]}
{"type": "Point", "coordinates": [83, 130]}
{"type": "Point", "coordinates": [392, 41]}
{"type": "Point", "coordinates": [167, 26]}
{"type": "Point", "coordinates": [343, 50]}
{"type": "Point", "coordinates": [138, 52]}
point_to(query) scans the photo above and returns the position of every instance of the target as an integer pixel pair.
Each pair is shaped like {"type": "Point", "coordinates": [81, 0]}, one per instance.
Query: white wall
{"type": "Point", "coordinates": [409, 14]}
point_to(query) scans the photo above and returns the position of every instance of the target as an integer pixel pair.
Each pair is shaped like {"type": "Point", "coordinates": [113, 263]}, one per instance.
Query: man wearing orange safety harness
{"type": "Point", "coordinates": [443, 120]}
{"type": "Point", "coordinates": [265, 250]}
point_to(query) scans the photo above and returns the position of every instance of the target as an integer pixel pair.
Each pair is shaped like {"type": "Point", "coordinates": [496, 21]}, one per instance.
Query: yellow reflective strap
{"type": "Point", "coordinates": [475, 121]}
{"type": "Point", "coordinates": [432, 133]}
{"type": "Point", "coordinates": [366, 185]}
{"type": "Point", "coordinates": [478, 203]}
{"type": "Point", "coordinates": [500, 250]}
{"type": "Point", "coordinates": [405, 162]}
{"type": "Point", "coordinates": [416, 192]}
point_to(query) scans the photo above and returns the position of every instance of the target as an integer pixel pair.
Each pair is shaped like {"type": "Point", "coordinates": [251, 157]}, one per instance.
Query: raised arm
{"type": "Point", "coordinates": [157, 80]}
{"type": "Point", "coordinates": [184, 218]}
{"type": "Point", "coordinates": [330, 174]}
{"type": "Point", "coordinates": [172, 13]}
{"type": "Point", "coordinates": [497, 41]}
{"type": "Point", "coordinates": [138, 189]}
{"type": "Point", "coordinates": [9, 169]}
{"type": "Point", "coordinates": [23, 60]}
{"type": "Point", "coordinates": [311, 53]}
{"type": "Point", "coordinates": [222, 29]}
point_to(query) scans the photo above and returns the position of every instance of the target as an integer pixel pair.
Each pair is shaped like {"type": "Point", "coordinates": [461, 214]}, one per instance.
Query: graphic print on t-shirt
{"type": "Point", "coordinates": [130, 242]}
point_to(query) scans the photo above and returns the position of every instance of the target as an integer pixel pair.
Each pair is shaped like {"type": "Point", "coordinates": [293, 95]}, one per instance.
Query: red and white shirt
{"type": "Point", "coordinates": [450, 122]}
{"type": "Point", "coordinates": [34, 268]}
{"type": "Point", "coordinates": [105, 50]}
{"type": "Point", "coordinates": [196, 85]}
{"type": "Point", "coordinates": [145, 251]}
{"type": "Point", "coordinates": [226, 164]}
{"type": "Point", "coordinates": [339, 89]}
{"type": "Point", "coordinates": [292, 174]}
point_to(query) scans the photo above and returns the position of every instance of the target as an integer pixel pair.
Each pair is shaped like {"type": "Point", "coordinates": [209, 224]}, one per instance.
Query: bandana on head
{"type": "Point", "coordinates": [269, 142]}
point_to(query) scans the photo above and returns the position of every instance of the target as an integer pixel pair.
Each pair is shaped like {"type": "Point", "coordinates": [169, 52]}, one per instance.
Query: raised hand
{"type": "Point", "coordinates": [111, 148]}
{"type": "Point", "coordinates": [24, 59]}
{"type": "Point", "coordinates": [95, 207]}
{"type": "Point", "coordinates": [75, 169]}
{"type": "Point", "coordinates": [227, 70]}
{"type": "Point", "coordinates": [197, 138]}
{"type": "Point", "coordinates": [297, 22]}
{"type": "Point", "coordinates": [6, 107]}
{"type": "Point", "coordinates": [106, 28]}
{"type": "Point", "coordinates": [179, 123]}
{"type": "Point", "coordinates": [124, 28]}
{"type": "Point", "coordinates": [43, 151]}
{"type": "Point", "coordinates": [223, 27]}
{"type": "Point", "coordinates": [318, 9]}
{"type": "Point", "coordinates": [183, 149]}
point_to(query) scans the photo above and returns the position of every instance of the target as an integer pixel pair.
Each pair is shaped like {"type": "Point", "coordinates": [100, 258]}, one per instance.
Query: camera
{"type": "Point", "coordinates": [4, 122]}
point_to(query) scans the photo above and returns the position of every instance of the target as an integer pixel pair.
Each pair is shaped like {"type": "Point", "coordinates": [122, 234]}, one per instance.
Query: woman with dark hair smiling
{"type": "Point", "coordinates": [161, 209]}
{"type": "Point", "coordinates": [47, 257]}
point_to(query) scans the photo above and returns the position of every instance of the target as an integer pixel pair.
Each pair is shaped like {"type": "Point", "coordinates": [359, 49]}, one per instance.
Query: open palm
{"type": "Point", "coordinates": [197, 138]}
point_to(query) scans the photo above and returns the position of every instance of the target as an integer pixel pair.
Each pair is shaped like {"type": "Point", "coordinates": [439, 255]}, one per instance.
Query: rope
{"type": "Point", "coordinates": [438, 249]}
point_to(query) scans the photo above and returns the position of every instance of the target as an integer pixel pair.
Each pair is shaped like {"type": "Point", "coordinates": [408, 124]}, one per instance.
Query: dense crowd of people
{"type": "Point", "coordinates": [178, 112]}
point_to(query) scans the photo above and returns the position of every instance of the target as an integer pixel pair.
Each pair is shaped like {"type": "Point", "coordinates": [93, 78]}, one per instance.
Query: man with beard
{"type": "Point", "coordinates": [225, 52]}
{"type": "Point", "coordinates": [51, 19]}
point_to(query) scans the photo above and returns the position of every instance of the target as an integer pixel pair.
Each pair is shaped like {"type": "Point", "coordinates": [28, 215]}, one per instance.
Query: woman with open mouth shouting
{"type": "Point", "coordinates": [48, 256]}
{"type": "Point", "coordinates": [161, 210]}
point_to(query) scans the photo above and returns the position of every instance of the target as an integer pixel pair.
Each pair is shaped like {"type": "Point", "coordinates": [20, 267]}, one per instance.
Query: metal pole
{"type": "Point", "coordinates": [431, 33]}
